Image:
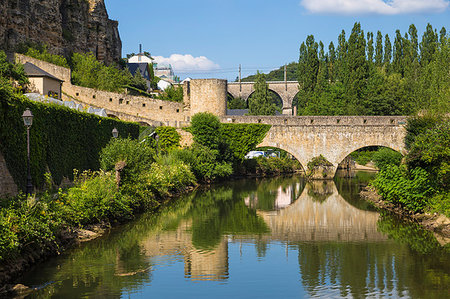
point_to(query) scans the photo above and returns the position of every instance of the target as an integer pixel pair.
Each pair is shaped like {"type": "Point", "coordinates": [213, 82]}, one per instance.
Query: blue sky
{"type": "Point", "coordinates": [210, 38]}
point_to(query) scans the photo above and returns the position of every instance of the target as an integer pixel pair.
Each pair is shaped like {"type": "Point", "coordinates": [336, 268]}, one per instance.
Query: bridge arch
{"type": "Point", "coordinates": [276, 98]}
{"type": "Point", "coordinates": [112, 116]}
{"type": "Point", "coordinates": [389, 146]}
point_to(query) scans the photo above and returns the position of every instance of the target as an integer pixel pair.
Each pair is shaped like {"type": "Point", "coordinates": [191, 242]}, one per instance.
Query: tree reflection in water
{"type": "Point", "coordinates": [343, 247]}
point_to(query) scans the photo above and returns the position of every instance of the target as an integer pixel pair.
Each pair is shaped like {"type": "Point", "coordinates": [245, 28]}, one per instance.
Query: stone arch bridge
{"type": "Point", "coordinates": [334, 137]}
{"type": "Point", "coordinates": [286, 90]}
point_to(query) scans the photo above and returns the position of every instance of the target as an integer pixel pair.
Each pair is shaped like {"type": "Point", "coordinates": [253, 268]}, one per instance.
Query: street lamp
{"type": "Point", "coordinates": [28, 121]}
{"type": "Point", "coordinates": [115, 133]}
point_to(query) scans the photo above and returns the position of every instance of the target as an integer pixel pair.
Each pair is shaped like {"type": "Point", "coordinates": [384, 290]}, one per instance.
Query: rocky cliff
{"type": "Point", "coordinates": [66, 26]}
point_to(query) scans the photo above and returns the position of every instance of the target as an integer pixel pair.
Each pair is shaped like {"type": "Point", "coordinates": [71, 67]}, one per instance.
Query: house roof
{"type": "Point", "coordinates": [237, 112]}
{"type": "Point", "coordinates": [33, 71]}
{"type": "Point", "coordinates": [142, 67]}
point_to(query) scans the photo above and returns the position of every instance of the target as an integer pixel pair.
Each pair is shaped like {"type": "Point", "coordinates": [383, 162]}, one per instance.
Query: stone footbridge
{"type": "Point", "coordinates": [334, 137]}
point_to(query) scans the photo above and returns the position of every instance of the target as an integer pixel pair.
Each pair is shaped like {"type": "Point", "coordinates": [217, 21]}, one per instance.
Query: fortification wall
{"type": "Point", "coordinates": [7, 185]}
{"type": "Point", "coordinates": [123, 106]}
{"type": "Point", "coordinates": [207, 95]}
{"type": "Point", "coordinates": [127, 107]}
{"type": "Point", "coordinates": [58, 71]}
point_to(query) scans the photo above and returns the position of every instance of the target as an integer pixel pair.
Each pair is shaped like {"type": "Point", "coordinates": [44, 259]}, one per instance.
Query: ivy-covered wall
{"type": "Point", "coordinates": [61, 139]}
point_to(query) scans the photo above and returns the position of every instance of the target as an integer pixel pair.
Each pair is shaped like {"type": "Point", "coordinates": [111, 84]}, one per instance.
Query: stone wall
{"type": "Point", "coordinates": [66, 26]}
{"type": "Point", "coordinates": [207, 95]}
{"type": "Point", "coordinates": [59, 72]}
{"type": "Point", "coordinates": [7, 185]}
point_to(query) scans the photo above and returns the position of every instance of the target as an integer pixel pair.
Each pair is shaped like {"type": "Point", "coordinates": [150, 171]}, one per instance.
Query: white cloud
{"type": "Point", "coordinates": [183, 63]}
{"type": "Point", "coordinates": [382, 7]}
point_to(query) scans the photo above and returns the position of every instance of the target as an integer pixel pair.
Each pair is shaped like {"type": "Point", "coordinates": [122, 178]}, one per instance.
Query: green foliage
{"type": "Point", "coordinates": [261, 102]}
{"type": "Point", "coordinates": [41, 53]}
{"type": "Point", "coordinates": [242, 138]}
{"type": "Point", "coordinates": [271, 165]}
{"type": "Point", "coordinates": [169, 138]}
{"type": "Point", "coordinates": [204, 162]}
{"type": "Point", "coordinates": [236, 103]}
{"type": "Point", "coordinates": [431, 151]}
{"type": "Point", "coordinates": [10, 73]}
{"type": "Point", "coordinates": [166, 179]}
{"type": "Point", "coordinates": [419, 125]}
{"type": "Point", "coordinates": [61, 139]}
{"type": "Point", "coordinates": [137, 155]}
{"type": "Point", "coordinates": [277, 75]}
{"type": "Point", "coordinates": [362, 157]}
{"type": "Point", "coordinates": [173, 94]}
{"type": "Point", "coordinates": [385, 157]}
{"type": "Point", "coordinates": [410, 189]}
{"type": "Point", "coordinates": [87, 71]}
{"type": "Point", "coordinates": [206, 129]}
{"type": "Point", "coordinates": [318, 161]}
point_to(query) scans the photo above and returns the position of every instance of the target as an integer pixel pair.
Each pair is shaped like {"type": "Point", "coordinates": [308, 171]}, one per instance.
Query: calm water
{"type": "Point", "coordinates": [258, 238]}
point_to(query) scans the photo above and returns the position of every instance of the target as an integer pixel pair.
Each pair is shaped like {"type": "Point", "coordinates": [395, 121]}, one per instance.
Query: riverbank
{"type": "Point", "coordinates": [438, 224]}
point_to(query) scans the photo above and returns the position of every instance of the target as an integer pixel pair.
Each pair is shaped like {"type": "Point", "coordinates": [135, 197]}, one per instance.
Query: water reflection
{"type": "Point", "coordinates": [240, 234]}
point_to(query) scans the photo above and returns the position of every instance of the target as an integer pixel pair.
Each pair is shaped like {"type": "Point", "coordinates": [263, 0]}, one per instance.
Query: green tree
{"type": "Point", "coordinates": [387, 53]}
{"type": "Point", "coordinates": [206, 129]}
{"type": "Point", "coordinates": [397, 63]}
{"type": "Point", "coordinates": [370, 49]}
{"type": "Point", "coordinates": [379, 50]}
{"type": "Point", "coordinates": [331, 62]}
{"type": "Point", "coordinates": [428, 46]}
{"type": "Point", "coordinates": [260, 103]}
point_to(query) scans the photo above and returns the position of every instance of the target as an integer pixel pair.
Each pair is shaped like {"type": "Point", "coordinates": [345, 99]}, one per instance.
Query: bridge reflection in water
{"type": "Point", "coordinates": [269, 237]}
{"type": "Point", "coordinates": [318, 214]}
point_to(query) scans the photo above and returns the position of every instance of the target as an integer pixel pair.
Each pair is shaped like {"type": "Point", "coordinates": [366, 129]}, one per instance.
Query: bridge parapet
{"type": "Point", "coordinates": [283, 120]}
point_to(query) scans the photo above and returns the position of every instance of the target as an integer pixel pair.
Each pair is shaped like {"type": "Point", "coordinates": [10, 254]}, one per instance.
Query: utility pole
{"type": "Point", "coordinates": [240, 87]}
{"type": "Point", "coordinates": [285, 77]}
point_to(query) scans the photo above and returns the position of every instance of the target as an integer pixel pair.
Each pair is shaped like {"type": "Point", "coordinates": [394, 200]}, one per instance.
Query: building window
{"type": "Point", "coordinates": [143, 105]}
{"type": "Point", "coordinates": [77, 94]}
{"type": "Point", "coordinates": [178, 110]}
{"type": "Point", "coordinates": [160, 107]}
{"type": "Point", "coordinates": [93, 96]}
{"type": "Point", "coordinates": [120, 101]}
{"type": "Point", "coordinates": [110, 99]}
{"type": "Point", "coordinates": [128, 102]}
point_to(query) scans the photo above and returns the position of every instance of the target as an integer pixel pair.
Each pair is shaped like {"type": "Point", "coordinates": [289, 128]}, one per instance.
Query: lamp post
{"type": "Point", "coordinates": [115, 133]}
{"type": "Point", "coordinates": [28, 121]}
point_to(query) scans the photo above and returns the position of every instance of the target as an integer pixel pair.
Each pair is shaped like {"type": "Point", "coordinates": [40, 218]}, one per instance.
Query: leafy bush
{"type": "Point", "coordinates": [419, 125]}
{"type": "Point", "coordinates": [173, 94]}
{"type": "Point", "coordinates": [431, 151]}
{"type": "Point", "coordinates": [41, 53]}
{"type": "Point", "coordinates": [206, 129]}
{"type": "Point", "coordinates": [362, 157]}
{"type": "Point", "coordinates": [271, 165]}
{"type": "Point", "coordinates": [410, 189]}
{"type": "Point", "coordinates": [242, 138]}
{"type": "Point", "coordinates": [164, 180]}
{"type": "Point", "coordinates": [318, 161]}
{"type": "Point", "coordinates": [169, 138]}
{"type": "Point", "coordinates": [94, 199]}
{"type": "Point", "coordinates": [87, 71]}
{"type": "Point", "coordinates": [203, 162]}
{"type": "Point", "coordinates": [386, 156]}
{"type": "Point", "coordinates": [137, 155]}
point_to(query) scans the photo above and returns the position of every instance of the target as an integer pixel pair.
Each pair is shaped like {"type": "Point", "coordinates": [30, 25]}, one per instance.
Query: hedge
{"type": "Point", "coordinates": [61, 139]}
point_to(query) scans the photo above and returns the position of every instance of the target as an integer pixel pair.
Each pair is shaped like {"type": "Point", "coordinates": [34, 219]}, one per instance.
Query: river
{"type": "Point", "coordinates": [255, 238]}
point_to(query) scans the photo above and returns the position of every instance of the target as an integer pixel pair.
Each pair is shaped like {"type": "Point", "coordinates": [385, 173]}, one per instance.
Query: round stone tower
{"type": "Point", "coordinates": [206, 95]}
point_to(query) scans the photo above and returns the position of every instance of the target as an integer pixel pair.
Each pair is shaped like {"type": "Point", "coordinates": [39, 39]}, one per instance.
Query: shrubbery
{"type": "Point", "coordinates": [421, 184]}
{"type": "Point", "coordinates": [385, 157]}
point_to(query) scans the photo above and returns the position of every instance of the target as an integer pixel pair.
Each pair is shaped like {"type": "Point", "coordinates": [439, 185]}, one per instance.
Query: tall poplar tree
{"type": "Point", "coordinates": [428, 45]}
{"type": "Point", "coordinates": [357, 66]}
{"type": "Point", "coordinates": [379, 50]}
{"type": "Point", "coordinates": [387, 53]}
{"type": "Point", "coordinates": [397, 63]}
{"type": "Point", "coordinates": [331, 62]}
{"type": "Point", "coordinates": [341, 64]}
{"type": "Point", "coordinates": [261, 102]}
{"type": "Point", "coordinates": [370, 49]}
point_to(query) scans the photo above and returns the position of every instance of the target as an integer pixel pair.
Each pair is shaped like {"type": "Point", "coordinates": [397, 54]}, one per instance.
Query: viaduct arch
{"type": "Point", "coordinates": [286, 90]}
{"type": "Point", "coordinates": [334, 137]}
